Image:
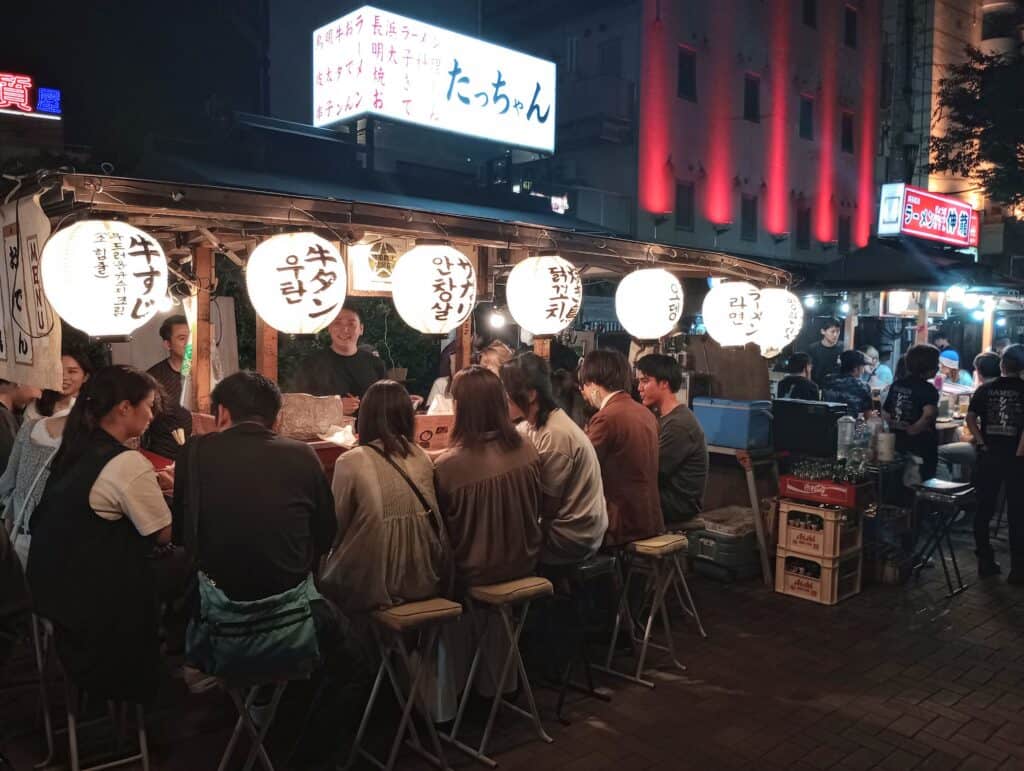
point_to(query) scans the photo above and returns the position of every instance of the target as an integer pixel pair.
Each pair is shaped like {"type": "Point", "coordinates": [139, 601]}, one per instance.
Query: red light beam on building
{"type": "Point", "coordinates": [777, 172]}
{"type": "Point", "coordinates": [824, 207]}
{"type": "Point", "coordinates": [868, 129]}
{"type": "Point", "coordinates": [718, 201]}
{"type": "Point", "coordinates": [654, 180]}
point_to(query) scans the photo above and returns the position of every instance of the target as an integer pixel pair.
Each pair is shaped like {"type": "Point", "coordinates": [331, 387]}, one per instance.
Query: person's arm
{"type": "Point", "coordinates": [127, 485]}
{"type": "Point", "coordinates": [555, 470]}
{"type": "Point", "coordinates": [975, 429]}
{"type": "Point", "coordinates": [673, 447]}
{"type": "Point", "coordinates": [925, 422]}
{"type": "Point", "coordinates": [324, 525]}
{"type": "Point", "coordinates": [600, 435]}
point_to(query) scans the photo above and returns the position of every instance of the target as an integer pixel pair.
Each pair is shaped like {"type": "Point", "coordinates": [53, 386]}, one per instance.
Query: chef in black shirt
{"type": "Point", "coordinates": [996, 419]}
{"type": "Point", "coordinates": [343, 369]}
{"type": "Point", "coordinates": [798, 384]}
{"type": "Point", "coordinates": [825, 353]}
{"type": "Point", "coordinates": [912, 406]}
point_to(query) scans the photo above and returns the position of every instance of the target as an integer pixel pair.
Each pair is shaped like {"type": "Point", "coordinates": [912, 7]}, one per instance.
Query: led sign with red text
{"type": "Point", "coordinates": [911, 211]}
{"type": "Point", "coordinates": [19, 95]}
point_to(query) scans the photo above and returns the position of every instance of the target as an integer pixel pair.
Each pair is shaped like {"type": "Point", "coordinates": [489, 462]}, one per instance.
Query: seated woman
{"type": "Point", "coordinates": [89, 569]}
{"type": "Point", "coordinates": [625, 435]}
{"type": "Point", "coordinates": [488, 485]}
{"type": "Point", "coordinates": [388, 548]}
{"type": "Point", "coordinates": [573, 514]}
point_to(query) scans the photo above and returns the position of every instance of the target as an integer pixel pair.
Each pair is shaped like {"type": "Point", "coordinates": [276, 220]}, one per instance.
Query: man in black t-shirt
{"type": "Point", "coordinates": [912, 406]}
{"type": "Point", "coordinates": [996, 419]}
{"type": "Point", "coordinates": [825, 354]}
{"type": "Point", "coordinates": [798, 384]}
{"type": "Point", "coordinates": [343, 369]}
{"type": "Point", "coordinates": [159, 437]}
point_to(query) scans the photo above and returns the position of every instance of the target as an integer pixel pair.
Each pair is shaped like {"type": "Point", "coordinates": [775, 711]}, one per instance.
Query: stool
{"type": "Point", "coordinates": [504, 598]}
{"type": "Point", "coordinates": [945, 500]}
{"type": "Point", "coordinates": [42, 643]}
{"type": "Point", "coordinates": [245, 722]}
{"type": "Point", "coordinates": [658, 558]}
{"type": "Point", "coordinates": [597, 566]}
{"type": "Point", "coordinates": [390, 627]}
{"type": "Point", "coordinates": [73, 705]}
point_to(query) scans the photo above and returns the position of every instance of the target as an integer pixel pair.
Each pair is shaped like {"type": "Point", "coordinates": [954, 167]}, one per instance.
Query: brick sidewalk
{"type": "Point", "coordinates": [895, 678]}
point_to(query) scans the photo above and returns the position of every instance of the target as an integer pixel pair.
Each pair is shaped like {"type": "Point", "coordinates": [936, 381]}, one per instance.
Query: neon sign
{"type": "Point", "coordinates": [20, 96]}
{"type": "Point", "coordinates": [911, 211]}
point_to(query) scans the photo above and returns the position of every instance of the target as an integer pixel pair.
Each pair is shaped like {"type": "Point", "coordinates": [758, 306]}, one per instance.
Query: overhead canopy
{"type": "Point", "coordinates": [906, 263]}
{"type": "Point", "coordinates": [235, 219]}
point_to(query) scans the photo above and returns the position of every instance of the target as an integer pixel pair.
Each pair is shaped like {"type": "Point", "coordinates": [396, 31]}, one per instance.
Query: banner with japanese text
{"type": "Point", "coordinates": [30, 334]}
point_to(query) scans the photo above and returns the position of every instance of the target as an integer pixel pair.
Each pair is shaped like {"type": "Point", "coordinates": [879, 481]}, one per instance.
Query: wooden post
{"type": "Point", "coordinates": [542, 347]}
{"type": "Point", "coordinates": [849, 329]}
{"type": "Point", "coordinates": [987, 329]}
{"type": "Point", "coordinates": [201, 345]}
{"type": "Point", "coordinates": [922, 318]}
{"type": "Point", "coordinates": [465, 347]}
{"type": "Point", "coordinates": [266, 349]}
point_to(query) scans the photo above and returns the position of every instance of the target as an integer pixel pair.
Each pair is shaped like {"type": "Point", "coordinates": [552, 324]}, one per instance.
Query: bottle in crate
{"type": "Point", "coordinates": [819, 530]}
{"type": "Point", "coordinates": [819, 579]}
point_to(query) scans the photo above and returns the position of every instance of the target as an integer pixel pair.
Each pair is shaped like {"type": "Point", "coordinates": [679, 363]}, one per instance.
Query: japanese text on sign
{"type": "Point", "coordinates": [907, 210]}
{"type": "Point", "coordinates": [20, 96]}
{"type": "Point", "coordinates": [375, 62]}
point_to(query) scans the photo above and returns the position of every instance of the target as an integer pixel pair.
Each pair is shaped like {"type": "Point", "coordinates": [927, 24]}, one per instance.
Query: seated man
{"type": "Point", "coordinates": [682, 449]}
{"type": "Point", "coordinates": [798, 384]}
{"type": "Point", "coordinates": [847, 387]}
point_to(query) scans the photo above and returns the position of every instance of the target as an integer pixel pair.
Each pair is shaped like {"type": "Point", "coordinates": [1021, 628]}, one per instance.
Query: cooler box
{"type": "Point", "coordinates": [736, 424]}
{"type": "Point", "coordinates": [726, 547]}
{"type": "Point", "coordinates": [806, 428]}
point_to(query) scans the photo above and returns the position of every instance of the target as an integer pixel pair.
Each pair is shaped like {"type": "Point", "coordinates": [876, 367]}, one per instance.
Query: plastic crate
{"type": "Point", "coordinates": [818, 579]}
{"type": "Point", "coordinates": [826, 491]}
{"type": "Point", "coordinates": [821, 531]}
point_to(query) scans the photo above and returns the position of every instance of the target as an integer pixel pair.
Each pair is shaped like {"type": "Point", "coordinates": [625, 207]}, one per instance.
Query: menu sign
{"type": "Point", "coordinates": [911, 211]}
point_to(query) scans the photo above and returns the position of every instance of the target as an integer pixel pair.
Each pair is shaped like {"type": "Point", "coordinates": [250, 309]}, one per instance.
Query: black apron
{"type": "Point", "coordinates": [92, 578]}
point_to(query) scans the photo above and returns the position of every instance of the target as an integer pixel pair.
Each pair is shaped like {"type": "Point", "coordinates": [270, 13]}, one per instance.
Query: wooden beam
{"type": "Point", "coordinates": [266, 349]}
{"type": "Point", "coordinates": [203, 256]}
{"type": "Point", "coordinates": [922, 318]}
{"type": "Point", "coordinates": [849, 329]}
{"type": "Point", "coordinates": [465, 348]}
{"type": "Point", "coordinates": [987, 329]}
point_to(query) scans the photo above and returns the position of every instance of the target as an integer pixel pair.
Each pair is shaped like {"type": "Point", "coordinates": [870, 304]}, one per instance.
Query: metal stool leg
{"type": "Point", "coordinates": [41, 646]}
{"type": "Point", "coordinates": [258, 749]}
{"type": "Point", "coordinates": [417, 698]}
{"type": "Point", "coordinates": [692, 609]}
{"type": "Point", "coordinates": [143, 739]}
{"type": "Point", "coordinates": [72, 712]}
{"type": "Point", "coordinates": [515, 634]}
{"type": "Point", "coordinates": [361, 731]}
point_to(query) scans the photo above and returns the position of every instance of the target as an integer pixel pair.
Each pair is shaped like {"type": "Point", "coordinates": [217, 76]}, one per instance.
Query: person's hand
{"type": "Point", "coordinates": [349, 404]}
{"type": "Point", "coordinates": [165, 477]}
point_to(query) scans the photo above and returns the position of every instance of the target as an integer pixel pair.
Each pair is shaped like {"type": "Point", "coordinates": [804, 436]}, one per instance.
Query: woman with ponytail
{"type": "Point", "coordinates": [92, 533]}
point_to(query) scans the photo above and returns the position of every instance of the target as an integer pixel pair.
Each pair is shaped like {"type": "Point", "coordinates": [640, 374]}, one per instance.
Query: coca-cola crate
{"type": "Point", "coordinates": [819, 530]}
{"type": "Point", "coordinates": [826, 491]}
{"type": "Point", "coordinates": [819, 579]}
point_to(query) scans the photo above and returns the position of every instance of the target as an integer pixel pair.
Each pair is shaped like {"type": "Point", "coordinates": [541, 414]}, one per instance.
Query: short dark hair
{"type": "Point", "coordinates": [167, 328]}
{"type": "Point", "coordinates": [481, 410]}
{"type": "Point", "coordinates": [608, 369]}
{"type": "Point", "coordinates": [922, 359]}
{"type": "Point", "coordinates": [1013, 359]}
{"type": "Point", "coordinates": [662, 368]}
{"type": "Point", "coordinates": [248, 395]}
{"type": "Point", "coordinates": [850, 360]}
{"type": "Point", "coordinates": [829, 323]}
{"type": "Point", "coordinates": [385, 415]}
{"type": "Point", "coordinates": [940, 335]}
{"type": "Point", "coordinates": [529, 372]}
{"type": "Point", "coordinates": [987, 365]}
{"type": "Point", "coordinates": [358, 315]}
{"type": "Point", "coordinates": [798, 363]}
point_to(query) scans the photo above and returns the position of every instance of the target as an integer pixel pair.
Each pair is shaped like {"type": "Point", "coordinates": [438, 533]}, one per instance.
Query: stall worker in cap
{"type": "Point", "coordinates": [949, 368]}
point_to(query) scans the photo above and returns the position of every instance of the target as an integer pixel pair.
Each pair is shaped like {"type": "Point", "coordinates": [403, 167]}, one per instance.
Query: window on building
{"type": "Point", "coordinates": [843, 234]}
{"type": "Point", "coordinates": [997, 24]}
{"type": "Point", "coordinates": [803, 228]}
{"type": "Point", "coordinates": [684, 206]}
{"type": "Point", "coordinates": [811, 13]}
{"type": "Point", "coordinates": [806, 117]}
{"type": "Point", "coordinates": [609, 57]}
{"type": "Point", "coordinates": [748, 218]}
{"type": "Point", "coordinates": [572, 46]}
{"type": "Point", "coordinates": [850, 27]}
{"type": "Point", "coordinates": [846, 133]}
{"type": "Point", "coordinates": [752, 98]}
{"type": "Point", "coordinates": [686, 87]}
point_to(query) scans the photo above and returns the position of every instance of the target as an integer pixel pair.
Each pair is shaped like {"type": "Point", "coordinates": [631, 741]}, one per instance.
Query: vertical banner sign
{"type": "Point", "coordinates": [30, 336]}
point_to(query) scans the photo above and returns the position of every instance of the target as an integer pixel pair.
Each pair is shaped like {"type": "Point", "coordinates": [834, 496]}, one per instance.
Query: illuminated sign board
{"type": "Point", "coordinates": [911, 211]}
{"type": "Point", "coordinates": [20, 96]}
{"type": "Point", "coordinates": [376, 63]}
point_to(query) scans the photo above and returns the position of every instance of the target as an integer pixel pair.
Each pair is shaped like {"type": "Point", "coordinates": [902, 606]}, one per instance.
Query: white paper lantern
{"type": "Point", "coordinates": [434, 288]}
{"type": "Point", "coordinates": [732, 313]}
{"type": "Point", "coordinates": [104, 277]}
{"type": "Point", "coordinates": [782, 318]}
{"type": "Point", "coordinates": [544, 294]}
{"type": "Point", "coordinates": [296, 282]}
{"type": "Point", "coordinates": [649, 303]}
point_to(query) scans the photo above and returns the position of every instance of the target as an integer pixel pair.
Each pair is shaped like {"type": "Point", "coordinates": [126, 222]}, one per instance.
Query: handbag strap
{"type": "Point", "coordinates": [422, 498]}
{"type": "Point", "coordinates": [192, 501]}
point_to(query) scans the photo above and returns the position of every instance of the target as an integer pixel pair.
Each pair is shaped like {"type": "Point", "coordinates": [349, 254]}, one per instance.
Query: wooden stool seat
{"type": "Point", "coordinates": [412, 615]}
{"type": "Point", "coordinates": [512, 592]}
{"type": "Point", "coordinates": [659, 546]}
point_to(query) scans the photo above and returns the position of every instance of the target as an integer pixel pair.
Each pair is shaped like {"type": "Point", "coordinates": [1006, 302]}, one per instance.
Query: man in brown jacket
{"type": "Point", "coordinates": [625, 435]}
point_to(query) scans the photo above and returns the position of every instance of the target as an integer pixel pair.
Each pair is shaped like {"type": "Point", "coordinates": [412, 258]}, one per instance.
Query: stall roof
{"type": "Point", "coordinates": [235, 218]}
{"type": "Point", "coordinates": [911, 265]}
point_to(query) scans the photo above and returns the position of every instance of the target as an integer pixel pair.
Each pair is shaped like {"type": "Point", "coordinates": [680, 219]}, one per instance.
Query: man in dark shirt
{"type": "Point", "coordinates": [825, 354]}
{"type": "Point", "coordinates": [159, 438]}
{"type": "Point", "coordinates": [798, 384]}
{"type": "Point", "coordinates": [682, 449]}
{"type": "Point", "coordinates": [343, 369]}
{"type": "Point", "coordinates": [847, 387]}
{"type": "Point", "coordinates": [912, 406]}
{"type": "Point", "coordinates": [996, 419]}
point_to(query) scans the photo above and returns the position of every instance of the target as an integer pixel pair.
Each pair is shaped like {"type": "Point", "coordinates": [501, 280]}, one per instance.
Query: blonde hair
{"type": "Point", "coordinates": [497, 354]}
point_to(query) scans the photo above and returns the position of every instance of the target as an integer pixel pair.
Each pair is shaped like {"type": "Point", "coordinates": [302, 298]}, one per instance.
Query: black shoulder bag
{"type": "Point", "coordinates": [435, 520]}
